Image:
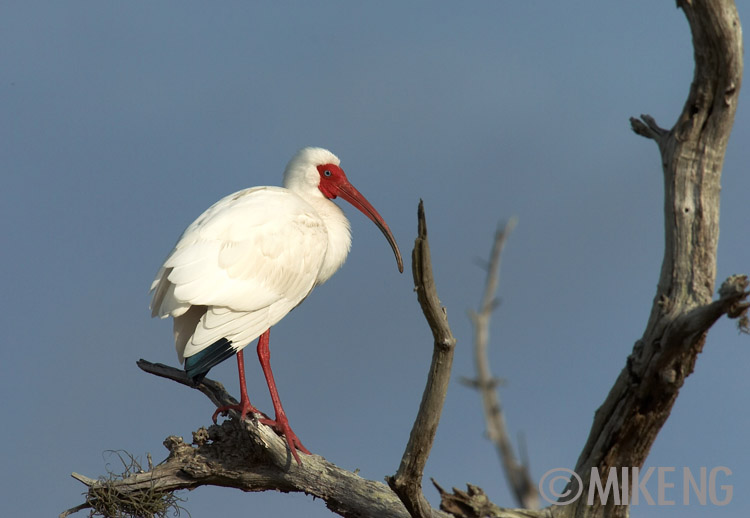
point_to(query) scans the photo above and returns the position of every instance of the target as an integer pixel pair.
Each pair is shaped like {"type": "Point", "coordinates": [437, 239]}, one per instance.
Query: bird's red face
{"type": "Point", "coordinates": [333, 183]}
{"type": "Point", "coordinates": [331, 176]}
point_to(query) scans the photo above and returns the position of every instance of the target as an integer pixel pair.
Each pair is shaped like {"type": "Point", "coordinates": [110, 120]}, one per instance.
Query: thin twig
{"type": "Point", "coordinates": [74, 510]}
{"type": "Point", "coordinates": [647, 127]}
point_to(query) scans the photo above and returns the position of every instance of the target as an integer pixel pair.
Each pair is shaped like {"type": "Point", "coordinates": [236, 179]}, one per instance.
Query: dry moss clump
{"type": "Point", "coordinates": [107, 501]}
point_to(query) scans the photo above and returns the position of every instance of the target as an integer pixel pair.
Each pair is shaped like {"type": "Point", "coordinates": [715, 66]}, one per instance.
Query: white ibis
{"type": "Point", "coordinates": [248, 261]}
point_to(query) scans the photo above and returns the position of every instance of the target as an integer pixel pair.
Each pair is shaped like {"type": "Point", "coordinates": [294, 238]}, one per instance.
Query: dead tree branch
{"type": "Point", "coordinates": [517, 474]}
{"type": "Point", "coordinates": [407, 482]}
{"type": "Point", "coordinates": [251, 457]}
{"type": "Point", "coordinates": [692, 153]}
{"type": "Point", "coordinates": [473, 503]}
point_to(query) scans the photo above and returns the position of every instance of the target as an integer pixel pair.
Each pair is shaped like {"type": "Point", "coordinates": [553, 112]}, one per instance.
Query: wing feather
{"type": "Point", "coordinates": [249, 260]}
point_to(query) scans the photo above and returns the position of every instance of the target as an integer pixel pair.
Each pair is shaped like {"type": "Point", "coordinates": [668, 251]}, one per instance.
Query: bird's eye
{"type": "Point", "coordinates": [327, 172]}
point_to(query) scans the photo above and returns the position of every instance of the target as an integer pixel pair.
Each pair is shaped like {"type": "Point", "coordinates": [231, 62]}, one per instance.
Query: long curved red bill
{"type": "Point", "coordinates": [353, 196]}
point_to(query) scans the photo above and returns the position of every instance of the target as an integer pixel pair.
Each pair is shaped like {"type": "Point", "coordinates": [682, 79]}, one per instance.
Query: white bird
{"type": "Point", "coordinates": [248, 261]}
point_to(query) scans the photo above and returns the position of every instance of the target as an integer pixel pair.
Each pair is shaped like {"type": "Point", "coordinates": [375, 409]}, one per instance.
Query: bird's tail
{"type": "Point", "coordinates": [198, 365]}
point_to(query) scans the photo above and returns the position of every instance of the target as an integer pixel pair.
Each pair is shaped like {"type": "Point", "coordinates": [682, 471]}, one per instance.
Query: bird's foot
{"type": "Point", "coordinates": [244, 408]}
{"type": "Point", "coordinates": [281, 426]}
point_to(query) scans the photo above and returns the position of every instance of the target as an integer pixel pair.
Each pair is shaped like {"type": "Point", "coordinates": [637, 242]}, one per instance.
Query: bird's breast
{"type": "Point", "coordinates": [339, 238]}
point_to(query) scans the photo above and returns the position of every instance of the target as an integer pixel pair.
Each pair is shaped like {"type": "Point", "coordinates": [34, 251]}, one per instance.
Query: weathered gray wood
{"type": "Point", "coordinates": [407, 482]}
{"type": "Point", "coordinates": [473, 503]}
{"type": "Point", "coordinates": [692, 153]}
{"type": "Point", "coordinates": [251, 457]}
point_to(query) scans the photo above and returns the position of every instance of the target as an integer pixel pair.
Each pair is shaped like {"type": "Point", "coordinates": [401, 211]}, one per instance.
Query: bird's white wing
{"type": "Point", "coordinates": [250, 250]}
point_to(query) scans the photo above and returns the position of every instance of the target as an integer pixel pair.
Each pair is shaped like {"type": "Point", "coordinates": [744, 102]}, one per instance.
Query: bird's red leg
{"type": "Point", "coordinates": [244, 407]}
{"type": "Point", "coordinates": [280, 424]}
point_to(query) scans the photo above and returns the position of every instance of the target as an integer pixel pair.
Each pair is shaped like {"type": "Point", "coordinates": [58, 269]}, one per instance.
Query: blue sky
{"type": "Point", "coordinates": [123, 121]}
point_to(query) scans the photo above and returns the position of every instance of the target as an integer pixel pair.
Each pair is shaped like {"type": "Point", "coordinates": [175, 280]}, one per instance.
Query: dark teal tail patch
{"type": "Point", "coordinates": [198, 365]}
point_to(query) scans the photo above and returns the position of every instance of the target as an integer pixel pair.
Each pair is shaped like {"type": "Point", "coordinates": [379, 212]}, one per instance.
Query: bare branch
{"type": "Point", "coordinates": [74, 510]}
{"type": "Point", "coordinates": [250, 457]}
{"type": "Point", "coordinates": [407, 482]}
{"type": "Point", "coordinates": [732, 295]}
{"type": "Point", "coordinates": [692, 153]}
{"type": "Point", "coordinates": [647, 127]}
{"type": "Point", "coordinates": [519, 480]}
{"type": "Point", "coordinates": [245, 455]}
{"type": "Point", "coordinates": [493, 383]}
{"type": "Point", "coordinates": [493, 270]}
{"type": "Point", "coordinates": [214, 390]}
{"type": "Point", "coordinates": [473, 503]}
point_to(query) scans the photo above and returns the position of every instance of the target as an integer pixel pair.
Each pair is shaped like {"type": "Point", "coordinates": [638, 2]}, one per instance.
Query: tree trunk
{"type": "Point", "coordinates": [692, 153]}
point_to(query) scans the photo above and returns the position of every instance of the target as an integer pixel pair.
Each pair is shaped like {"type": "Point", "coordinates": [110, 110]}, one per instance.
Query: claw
{"type": "Point", "coordinates": [281, 426]}
{"type": "Point", "coordinates": [244, 408]}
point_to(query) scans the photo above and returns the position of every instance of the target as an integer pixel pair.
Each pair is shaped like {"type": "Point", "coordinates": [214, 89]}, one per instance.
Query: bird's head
{"type": "Point", "coordinates": [316, 171]}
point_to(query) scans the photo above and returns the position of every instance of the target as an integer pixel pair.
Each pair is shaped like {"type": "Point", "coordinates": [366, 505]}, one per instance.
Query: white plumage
{"type": "Point", "coordinates": [254, 255]}
{"type": "Point", "coordinates": [245, 263]}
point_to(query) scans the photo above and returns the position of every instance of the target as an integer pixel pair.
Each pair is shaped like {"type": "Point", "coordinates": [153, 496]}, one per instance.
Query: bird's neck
{"type": "Point", "coordinates": [339, 237]}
